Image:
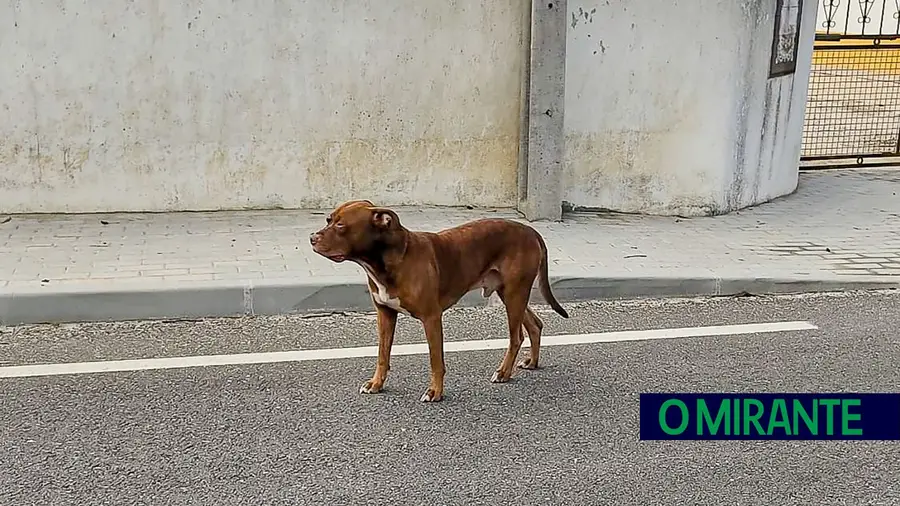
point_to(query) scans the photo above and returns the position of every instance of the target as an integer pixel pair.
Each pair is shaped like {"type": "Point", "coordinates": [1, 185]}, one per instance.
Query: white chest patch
{"type": "Point", "coordinates": [382, 296]}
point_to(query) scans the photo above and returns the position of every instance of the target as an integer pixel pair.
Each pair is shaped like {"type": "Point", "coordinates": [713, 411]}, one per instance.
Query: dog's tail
{"type": "Point", "coordinates": [545, 280]}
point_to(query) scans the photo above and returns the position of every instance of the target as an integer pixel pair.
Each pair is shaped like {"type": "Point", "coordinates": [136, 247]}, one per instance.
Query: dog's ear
{"type": "Point", "coordinates": [384, 218]}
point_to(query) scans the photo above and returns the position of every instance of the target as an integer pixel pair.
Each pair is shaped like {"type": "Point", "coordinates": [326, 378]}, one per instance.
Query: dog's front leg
{"type": "Point", "coordinates": [434, 334]}
{"type": "Point", "coordinates": [387, 322]}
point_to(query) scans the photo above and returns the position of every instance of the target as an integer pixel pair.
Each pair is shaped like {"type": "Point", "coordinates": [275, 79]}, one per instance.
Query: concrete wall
{"type": "Point", "coordinates": [670, 110]}
{"type": "Point", "coordinates": [200, 104]}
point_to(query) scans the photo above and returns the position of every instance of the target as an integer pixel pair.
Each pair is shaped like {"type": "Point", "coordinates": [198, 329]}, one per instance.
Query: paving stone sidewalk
{"type": "Point", "coordinates": [840, 230]}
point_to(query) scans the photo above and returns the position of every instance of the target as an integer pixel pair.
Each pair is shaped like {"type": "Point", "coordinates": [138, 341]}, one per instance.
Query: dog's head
{"type": "Point", "coordinates": [354, 229]}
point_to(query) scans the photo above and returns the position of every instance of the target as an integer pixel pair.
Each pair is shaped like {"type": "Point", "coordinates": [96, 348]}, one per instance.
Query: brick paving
{"type": "Point", "coordinates": [839, 223]}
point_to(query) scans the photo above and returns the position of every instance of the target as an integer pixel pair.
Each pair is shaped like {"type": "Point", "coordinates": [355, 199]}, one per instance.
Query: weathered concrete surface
{"type": "Point", "coordinates": [543, 125]}
{"type": "Point", "coordinates": [153, 106]}
{"type": "Point", "coordinates": [661, 119]}
{"type": "Point", "coordinates": [839, 231]}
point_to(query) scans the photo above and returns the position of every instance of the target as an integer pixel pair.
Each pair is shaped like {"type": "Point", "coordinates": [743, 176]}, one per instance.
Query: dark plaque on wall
{"type": "Point", "coordinates": [786, 37]}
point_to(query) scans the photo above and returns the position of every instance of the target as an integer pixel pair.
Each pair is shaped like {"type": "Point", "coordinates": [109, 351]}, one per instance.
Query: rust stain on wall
{"type": "Point", "coordinates": [633, 171]}
{"type": "Point", "coordinates": [472, 171]}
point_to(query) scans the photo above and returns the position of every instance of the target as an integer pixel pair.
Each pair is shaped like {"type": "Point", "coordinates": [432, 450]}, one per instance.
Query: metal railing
{"type": "Point", "coordinates": [853, 105]}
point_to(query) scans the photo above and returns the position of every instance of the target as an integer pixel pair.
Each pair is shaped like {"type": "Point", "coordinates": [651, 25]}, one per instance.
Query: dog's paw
{"type": "Point", "coordinates": [431, 396]}
{"type": "Point", "coordinates": [499, 377]}
{"type": "Point", "coordinates": [527, 364]}
{"type": "Point", "coordinates": [370, 387]}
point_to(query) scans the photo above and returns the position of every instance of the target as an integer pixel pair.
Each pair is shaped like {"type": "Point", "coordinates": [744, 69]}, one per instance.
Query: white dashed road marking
{"type": "Point", "coordinates": [22, 371]}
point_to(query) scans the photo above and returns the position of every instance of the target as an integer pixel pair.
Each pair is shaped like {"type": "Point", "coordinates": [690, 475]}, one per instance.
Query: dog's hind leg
{"type": "Point", "coordinates": [533, 325]}
{"type": "Point", "coordinates": [515, 298]}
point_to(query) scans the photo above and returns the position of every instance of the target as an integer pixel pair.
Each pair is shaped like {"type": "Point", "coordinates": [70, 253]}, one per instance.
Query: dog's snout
{"type": "Point", "coordinates": [314, 238]}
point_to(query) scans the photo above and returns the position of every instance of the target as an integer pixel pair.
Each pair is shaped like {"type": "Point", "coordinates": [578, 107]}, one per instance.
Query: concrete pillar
{"type": "Point", "coordinates": [542, 136]}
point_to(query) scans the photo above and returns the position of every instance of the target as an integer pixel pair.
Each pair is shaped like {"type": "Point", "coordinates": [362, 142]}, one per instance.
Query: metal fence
{"type": "Point", "coordinates": [853, 108]}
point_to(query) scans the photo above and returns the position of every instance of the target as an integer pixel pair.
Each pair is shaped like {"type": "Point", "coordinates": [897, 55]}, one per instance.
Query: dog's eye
{"type": "Point", "coordinates": [328, 220]}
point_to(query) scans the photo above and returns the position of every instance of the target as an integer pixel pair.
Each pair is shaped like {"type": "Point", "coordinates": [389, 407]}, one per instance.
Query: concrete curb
{"type": "Point", "coordinates": [197, 300]}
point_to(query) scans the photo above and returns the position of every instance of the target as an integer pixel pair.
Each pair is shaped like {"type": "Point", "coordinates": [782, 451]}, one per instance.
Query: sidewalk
{"type": "Point", "coordinates": [841, 230]}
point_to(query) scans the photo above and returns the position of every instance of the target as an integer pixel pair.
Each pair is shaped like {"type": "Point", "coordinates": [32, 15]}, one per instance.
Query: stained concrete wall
{"type": "Point", "coordinates": [197, 104]}
{"type": "Point", "coordinates": [670, 108]}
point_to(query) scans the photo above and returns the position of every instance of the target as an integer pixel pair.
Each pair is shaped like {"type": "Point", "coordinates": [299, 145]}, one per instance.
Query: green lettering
{"type": "Point", "coordinates": [847, 417]}
{"type": "Point", "coordinates": [737, 416]}
{"type": "Point", "coordinates": [779, 418]}
{"type": "Point", "coordinates": [662, 417]}
{"type": "Point", "coordinates": [800, 412]}
{"type": "Point", "coordinates": [752, 418]}
{"type": "Point", "coordinates": [703, 417]}
{"type": "Point", "coordinates": [829, 414]}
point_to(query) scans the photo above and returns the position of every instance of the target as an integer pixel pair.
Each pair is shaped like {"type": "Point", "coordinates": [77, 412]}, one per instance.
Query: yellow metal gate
{"type": "Point", "coordinates": [853, 107]}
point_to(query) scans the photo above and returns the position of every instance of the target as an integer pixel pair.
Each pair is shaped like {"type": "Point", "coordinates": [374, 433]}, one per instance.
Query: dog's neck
{"type": "Point", "coordinates": [386, 255]}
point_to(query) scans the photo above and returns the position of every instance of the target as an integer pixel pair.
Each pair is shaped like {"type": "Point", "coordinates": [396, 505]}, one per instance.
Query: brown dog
{"type": "Point", "coordinates": [422, 274]}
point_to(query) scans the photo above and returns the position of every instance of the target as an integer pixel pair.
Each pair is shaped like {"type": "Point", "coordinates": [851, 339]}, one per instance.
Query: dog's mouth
{"type": "Point", "coordinates": [336, 257]}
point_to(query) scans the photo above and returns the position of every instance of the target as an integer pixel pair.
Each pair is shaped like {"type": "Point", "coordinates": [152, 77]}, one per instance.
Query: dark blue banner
{"type": "Point", "coordinates": [774, 416]}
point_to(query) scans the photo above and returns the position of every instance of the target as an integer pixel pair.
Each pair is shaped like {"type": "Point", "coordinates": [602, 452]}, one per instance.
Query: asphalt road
{"type": "Point", "coordinates": [300, 433]}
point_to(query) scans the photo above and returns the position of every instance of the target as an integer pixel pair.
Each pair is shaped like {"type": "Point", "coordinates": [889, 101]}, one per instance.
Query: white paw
{"type": "Point", "coordinates": [526, 364]}
{"type": "Point", "coordinates": [497, 378]}
{"type": "Point", "coordinates": [431, 396]}
{"type": "Point", "coordinates": [369, 388]}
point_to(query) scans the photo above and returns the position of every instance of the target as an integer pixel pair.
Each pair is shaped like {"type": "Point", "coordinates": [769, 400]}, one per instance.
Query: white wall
{"type": "Point", "coordinates": [200, 104]}
{"type": "Point", "coordinates": [669, 108]}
